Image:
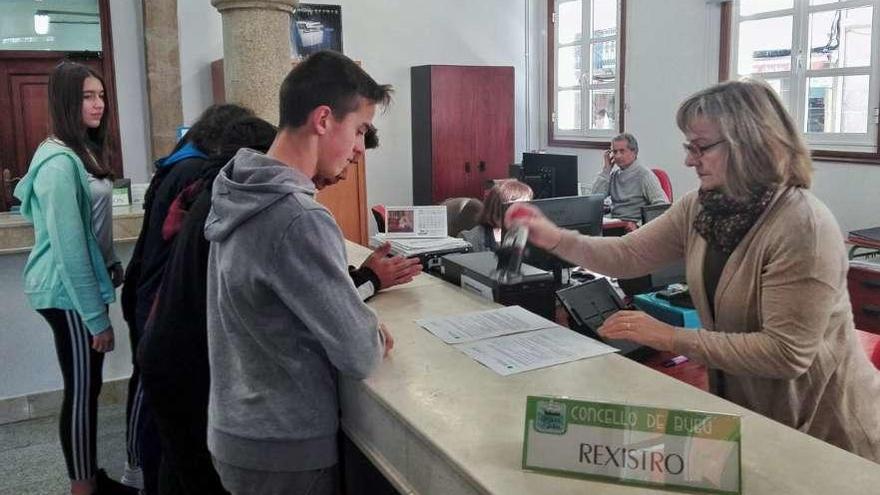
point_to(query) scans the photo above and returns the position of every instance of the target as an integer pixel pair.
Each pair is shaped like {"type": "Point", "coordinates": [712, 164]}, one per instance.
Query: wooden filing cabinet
{"type": "Point", "coordinates": [864, 293]}
{"type": "Point", "coordinates": [462, 130]}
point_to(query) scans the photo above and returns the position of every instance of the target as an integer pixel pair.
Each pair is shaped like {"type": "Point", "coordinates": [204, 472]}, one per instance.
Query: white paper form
{"type": "Point", "coordinates": [477, 325]}
{"type": "Point", "coordinates": [512, 354]}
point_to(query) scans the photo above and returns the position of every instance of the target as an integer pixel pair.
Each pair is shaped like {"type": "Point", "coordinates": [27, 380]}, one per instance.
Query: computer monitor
{"type": "Point", "coordinates": [580, 213]}
{"type": "Point", "coordinates": [550, 175]}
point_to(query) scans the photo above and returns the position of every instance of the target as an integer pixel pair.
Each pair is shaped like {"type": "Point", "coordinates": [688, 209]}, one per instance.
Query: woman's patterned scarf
{"type": "Point", "coordinates": [724, 221]}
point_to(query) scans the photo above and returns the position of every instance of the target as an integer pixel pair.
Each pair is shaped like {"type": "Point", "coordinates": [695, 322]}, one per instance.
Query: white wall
{"type": "Point", "coordinates": [388, 37]}
{"type": "Point", "coordinates": [672, 51]}
{"type": "Point", "coordinates": [200, 34]}
{"type": "Point", "coordinates": [131, 88]}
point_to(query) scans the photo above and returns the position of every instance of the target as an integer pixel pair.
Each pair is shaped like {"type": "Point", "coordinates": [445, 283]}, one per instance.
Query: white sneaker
{"type": "Point", "coordinates": [133, 477]}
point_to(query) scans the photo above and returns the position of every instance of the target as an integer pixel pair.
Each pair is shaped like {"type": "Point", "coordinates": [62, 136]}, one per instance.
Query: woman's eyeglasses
{"type": "Point", "coordinates": [698, 151]}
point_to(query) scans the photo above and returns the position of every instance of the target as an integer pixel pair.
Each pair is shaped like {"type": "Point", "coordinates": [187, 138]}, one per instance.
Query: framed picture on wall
{"type": "Point", "coordinates": [314, 28]}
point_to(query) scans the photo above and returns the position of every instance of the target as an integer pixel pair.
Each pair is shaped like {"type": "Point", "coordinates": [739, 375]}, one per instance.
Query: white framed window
{"type": "Point", "coordinates": [823, 58]}
{"type": "Point", "coordinates": [585, 71]}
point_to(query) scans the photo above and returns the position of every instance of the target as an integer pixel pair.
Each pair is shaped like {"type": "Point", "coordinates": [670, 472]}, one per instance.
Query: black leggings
{"type": "Point", "coordinates": [81, 368]}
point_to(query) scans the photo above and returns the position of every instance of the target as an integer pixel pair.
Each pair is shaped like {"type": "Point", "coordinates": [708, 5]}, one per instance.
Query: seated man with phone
{"type": "Point", "coordinates": [628, 183]}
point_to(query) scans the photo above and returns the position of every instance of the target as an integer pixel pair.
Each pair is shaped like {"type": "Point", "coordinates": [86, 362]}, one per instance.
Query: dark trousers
{"type": "Point", "coordinates": [180, 410]}
{"type": "Point", "coordinates": [81, 369]}
{"type": "Point", "coordinates": [142, 438]}
{"type": "Point", "coordinates": [243, 481]}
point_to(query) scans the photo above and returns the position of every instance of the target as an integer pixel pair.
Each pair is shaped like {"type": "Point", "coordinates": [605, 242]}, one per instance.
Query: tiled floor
{"type": "Point", "coordinates": [31, 462]}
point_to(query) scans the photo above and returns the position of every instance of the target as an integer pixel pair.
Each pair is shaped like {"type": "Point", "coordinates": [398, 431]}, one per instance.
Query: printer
{"type": "Point", "coordinates": [477, 273]}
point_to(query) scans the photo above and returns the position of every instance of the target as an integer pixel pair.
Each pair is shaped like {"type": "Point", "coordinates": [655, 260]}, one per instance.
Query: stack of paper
{"type": "Point", "coordinates": [512, 340]}
{"type": "Point", "coordinates": [412, 247]}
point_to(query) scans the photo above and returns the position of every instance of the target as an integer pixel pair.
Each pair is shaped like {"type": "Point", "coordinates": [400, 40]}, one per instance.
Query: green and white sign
{"type": "Point", "coordinates": [633, 445]}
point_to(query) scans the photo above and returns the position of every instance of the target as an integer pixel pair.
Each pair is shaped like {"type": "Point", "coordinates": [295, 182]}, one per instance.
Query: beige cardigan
{"type": "Point", "coordinates": [784, 338]}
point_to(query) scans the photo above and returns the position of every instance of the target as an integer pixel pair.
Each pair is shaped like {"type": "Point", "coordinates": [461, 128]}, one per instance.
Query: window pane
{"type": "Point", "coordinates": [837, 104]}
{"type": "Point", "coordinates": [568, 110]}
{"type": "Point", "coordinates": [749, 7]}
{"type": "Point", "coordinates": [840, 38]}
{"type": "Point", "coordinates": [568, 66]}
{"type": "Point", "coordinates": [603, 114]}
{"type": "Point", "coordinates": [822, 2]}
{"type": "Point", "coordinates": [782, 88]}
{"type": "Point", "coordinates": [569, 22]}
{"type": "Point", "coordinates": [60, 25]}
{"type": "Point", "coordinates": [604, 18]}
{"type": "Point", "coordinates": [764, 46]}
{"type": "Point", "coordinates": [604, 66]}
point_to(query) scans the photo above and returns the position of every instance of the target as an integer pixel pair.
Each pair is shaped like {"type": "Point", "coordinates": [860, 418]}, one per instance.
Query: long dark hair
{"type": "Point", "coordinates": [65, 117]}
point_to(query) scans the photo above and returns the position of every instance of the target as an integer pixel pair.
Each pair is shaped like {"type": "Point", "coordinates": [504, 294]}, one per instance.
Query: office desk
{"type": "Point", "coordinates": [615, 227]}
{"type": "Point", "coordinates": [436, 422]}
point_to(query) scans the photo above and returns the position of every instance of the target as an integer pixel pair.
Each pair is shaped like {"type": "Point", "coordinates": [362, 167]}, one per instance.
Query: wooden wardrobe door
{"type": "Point", "coordinates": [462, 130]}
{"type": "Point", "coordinates": [452, 126]}
{"type": "Point", "coordinates": [493, 125]}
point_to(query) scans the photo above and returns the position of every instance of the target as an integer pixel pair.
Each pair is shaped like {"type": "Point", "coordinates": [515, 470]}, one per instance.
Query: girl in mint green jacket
{"type": "Point", "coordinates": [70, 273]}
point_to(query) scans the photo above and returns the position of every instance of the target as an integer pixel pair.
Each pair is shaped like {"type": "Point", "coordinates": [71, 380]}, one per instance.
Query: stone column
{"type": "Point", "coordinates": [163, 74]}
{"type": "Point", "coordinates": [256, 52]}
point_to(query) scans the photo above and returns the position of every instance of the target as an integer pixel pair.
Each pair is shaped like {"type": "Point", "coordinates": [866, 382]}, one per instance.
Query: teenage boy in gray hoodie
{"type": "Point", "coordinates": [283, 314]}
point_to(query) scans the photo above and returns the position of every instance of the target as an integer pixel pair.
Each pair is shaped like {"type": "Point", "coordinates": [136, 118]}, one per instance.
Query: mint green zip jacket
{"type": "Point", "coordinates": [65, 269]}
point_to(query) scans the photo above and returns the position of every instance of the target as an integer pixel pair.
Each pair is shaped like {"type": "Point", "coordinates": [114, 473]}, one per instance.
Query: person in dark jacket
{"type": "Point", "coordinates": [144, 273]}
{"type": "Point", "coordinates": [173, 353]}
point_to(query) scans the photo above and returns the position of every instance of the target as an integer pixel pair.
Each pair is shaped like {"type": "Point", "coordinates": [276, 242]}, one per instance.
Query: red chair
{"type": "Point", "coordinates": [665, 183]}
{"type": "Point", "coordinates": [379, 216]}
{"type": "Point", "coordinates": [871, 344]}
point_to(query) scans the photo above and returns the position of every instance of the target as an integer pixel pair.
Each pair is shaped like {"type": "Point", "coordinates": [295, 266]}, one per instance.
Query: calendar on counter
{"type": "Point", "coordinates": [415, 221]}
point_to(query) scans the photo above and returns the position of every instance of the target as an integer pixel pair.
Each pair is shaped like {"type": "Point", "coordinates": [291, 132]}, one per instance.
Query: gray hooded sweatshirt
{"type": "Point", "coordinates": [283, 318]}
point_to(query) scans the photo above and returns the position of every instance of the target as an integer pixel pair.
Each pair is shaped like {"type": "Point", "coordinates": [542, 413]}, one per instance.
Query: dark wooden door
{"type": "Point", "coordinates": [463, 123]}
{"type": "Point", "coordinates": [24, 79]}
{"type": "Point", "coordinates": [493, 125]}
{"type": "Point", "coordinates": [452, 118]}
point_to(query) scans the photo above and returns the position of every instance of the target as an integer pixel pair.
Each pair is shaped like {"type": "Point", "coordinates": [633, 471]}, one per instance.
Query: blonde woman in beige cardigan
{"type": "Point", "coordinates": [766, 265]}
